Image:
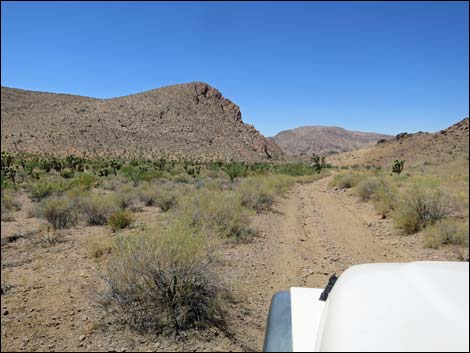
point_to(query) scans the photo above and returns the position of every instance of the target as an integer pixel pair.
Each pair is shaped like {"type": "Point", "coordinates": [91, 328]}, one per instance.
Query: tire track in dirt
{"type": "Point", "coordinates": [320, 235]}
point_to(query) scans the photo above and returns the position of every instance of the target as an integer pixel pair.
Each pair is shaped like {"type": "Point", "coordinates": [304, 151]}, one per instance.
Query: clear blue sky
{"type": "Point", "coordinates": [385, 67]}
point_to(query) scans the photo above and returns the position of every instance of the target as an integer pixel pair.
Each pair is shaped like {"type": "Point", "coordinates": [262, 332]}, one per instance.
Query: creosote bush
{"type": "Point", "coordinates": [85, 180]}
{"type": "Point", "coordinates": [47, 187]}
{"type": "Point", "coordinates": [220, 213]}
{"type": "Point", "coordinates": [97, 208]}
{"type": "Point", "coordinates": [420, 208]}
{"type": "Point", "coordinates": [120, 219]}
{"type": "Point", "coordinates": [163, 281]}
{"type": "Point", "coordinates": [164, 196]}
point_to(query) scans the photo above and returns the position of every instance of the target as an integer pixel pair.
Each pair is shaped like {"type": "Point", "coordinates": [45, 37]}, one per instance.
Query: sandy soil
{"type": "Point", "coordinates": [313, 232]}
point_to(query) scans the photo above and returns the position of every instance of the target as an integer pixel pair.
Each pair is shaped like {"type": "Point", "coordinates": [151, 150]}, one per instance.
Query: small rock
{"type": "Point", "coordinates": [82, 337]}
{"type": "Point", "coordinates": [5, 312]}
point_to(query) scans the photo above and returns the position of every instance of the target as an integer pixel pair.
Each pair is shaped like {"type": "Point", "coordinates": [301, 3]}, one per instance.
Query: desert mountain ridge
{"type": "Point", "coordinates": [448, 146]}
{"type": "Point", "coordinates": [191, 120]}
{"type": "Point", "coordinates": [324, 140]}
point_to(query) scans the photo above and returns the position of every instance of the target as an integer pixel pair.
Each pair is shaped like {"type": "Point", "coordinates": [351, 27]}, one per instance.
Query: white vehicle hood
{"type": "Point", "coordinates": [419, 306]}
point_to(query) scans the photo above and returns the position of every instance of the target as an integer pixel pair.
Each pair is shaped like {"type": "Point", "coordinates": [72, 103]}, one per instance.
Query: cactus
{"type": "Point", "coordinates": [7, 159]}
{"type": "Point", "coordinates": [45, 164]}
{"type": "Point", "coordinates": [10, 172]}
{"type": "Point", "coordinates": [67, 173]}
{"type": "Point", "coordinates": [398, 166]}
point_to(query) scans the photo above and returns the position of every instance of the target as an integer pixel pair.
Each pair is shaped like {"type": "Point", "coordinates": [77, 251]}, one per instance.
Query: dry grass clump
{"type": "Point", "coordinates": [447, 231]}
{"type": "Point", "coordinates": [385, 200]}
{"type": "Point", "coordinates": [125, 196]}
{"type": "Point", "coordinates": [163, 195]}
{"type": "Point", "coordinates": [368, 187]}
{"type": "Point", "coordinates": [163, 281]}
{"type": "Point", "coordinates": [99, 245]}
{"type": "Point", "coordinates": [380, 190]}
{"type": "Point", "coordinates": [258, 193]}
{"type": "Point", "coordinates": [59, 211]}
{"type": "Point", "coordinates": [9, 201]}
{"type": "Point", "coordinates": [346, 181]}
{"type": "Point", "coordinates": [113, 182]}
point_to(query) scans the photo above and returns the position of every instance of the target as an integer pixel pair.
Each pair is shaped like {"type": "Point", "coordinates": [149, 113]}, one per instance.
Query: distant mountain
{"type": "Point", "coordinates": [324, 140]}
{"type": "Point", "coordinates": [189, 120]}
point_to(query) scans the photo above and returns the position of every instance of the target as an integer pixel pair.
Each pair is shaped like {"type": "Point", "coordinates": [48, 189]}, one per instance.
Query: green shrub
{"type": "Point", "coordinates": [42, 188]}
{"type": "Point", "coordinates": [135, 173]}
{"type": "Point", "coordinates": [163, 281]}
{"type": "Point", "coordinates": [85, 180]}
{"type": "Point", "coordinates": [447, 231]}
{"type": "Point", "coordinates": [294, 169]}
{"type": "Point", "coordinates": [58, 211]}
{"type": "Point", "coordinates": [120, 219]}
{"type": "Point", "coordinates": [420, 208]}
{"type": "Point", "coordinates": [260, 168]}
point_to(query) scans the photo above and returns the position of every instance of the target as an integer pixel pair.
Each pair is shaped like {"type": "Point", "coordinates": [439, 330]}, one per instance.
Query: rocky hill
{"type": "Point", "coordinates": [192, 120]}
{"type": "Point", "coordinates": [446, 147]}
{"type": "Point", "coordinates": [324, 140]}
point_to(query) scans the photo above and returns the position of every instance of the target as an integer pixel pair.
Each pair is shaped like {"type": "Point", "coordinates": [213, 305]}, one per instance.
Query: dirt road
{"type": "Point", "coordinates": [311, 233]}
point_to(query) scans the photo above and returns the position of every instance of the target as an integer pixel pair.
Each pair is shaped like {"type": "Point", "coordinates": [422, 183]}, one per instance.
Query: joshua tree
{"type": "Point", "coordinates": [398, 166]}
{"type": "Point", "coordinates": [115, 165]}
{"type": "Point", "coordinates": [317, 162]}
